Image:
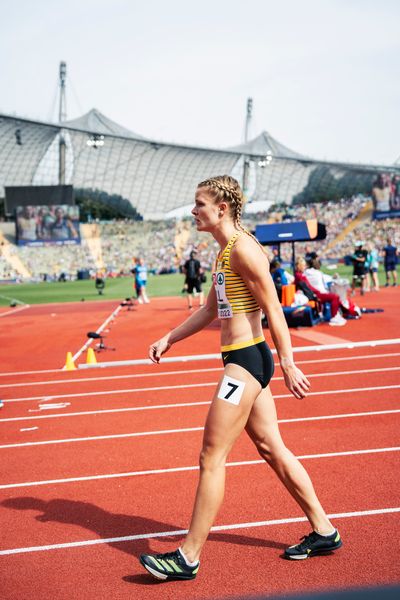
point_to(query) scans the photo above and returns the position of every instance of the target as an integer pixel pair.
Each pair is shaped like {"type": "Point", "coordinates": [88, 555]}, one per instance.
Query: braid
{"type": "Point", "coordinates": [225, 187]}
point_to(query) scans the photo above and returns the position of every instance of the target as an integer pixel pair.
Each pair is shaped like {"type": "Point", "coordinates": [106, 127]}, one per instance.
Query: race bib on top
{"type": "Point", "coordinates": [224, 307]}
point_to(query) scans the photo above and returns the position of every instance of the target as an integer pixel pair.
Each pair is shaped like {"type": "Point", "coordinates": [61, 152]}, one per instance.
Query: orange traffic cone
{"type": "Point", "coordinates": [69, 363]}
{"type": "Point", "coordinates": [91, 357]}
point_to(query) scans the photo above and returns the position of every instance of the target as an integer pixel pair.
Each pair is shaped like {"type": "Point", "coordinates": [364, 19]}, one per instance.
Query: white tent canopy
{"type": "Point", "coordinates": [156, 177]}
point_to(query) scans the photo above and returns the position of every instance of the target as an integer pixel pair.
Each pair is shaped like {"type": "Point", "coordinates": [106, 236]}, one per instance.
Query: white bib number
{"type": "Point", "coordinates": [231, 390]}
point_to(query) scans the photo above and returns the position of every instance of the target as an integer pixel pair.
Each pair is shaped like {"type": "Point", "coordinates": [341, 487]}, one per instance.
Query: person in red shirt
{"type": "Point", "coordinates": [300, 280]}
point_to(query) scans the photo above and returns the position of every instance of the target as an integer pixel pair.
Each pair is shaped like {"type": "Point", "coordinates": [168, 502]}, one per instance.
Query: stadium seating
{"type": "Point", "coordinates": [165, 245]}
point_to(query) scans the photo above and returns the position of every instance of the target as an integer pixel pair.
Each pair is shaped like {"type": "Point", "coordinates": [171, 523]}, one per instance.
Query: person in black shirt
{"type": "Point", "coordinates": [390, 262]}
{"type": "Point", "coordinates": [192, 270]}
{"type": "Point", "coordinates": [359, 258]}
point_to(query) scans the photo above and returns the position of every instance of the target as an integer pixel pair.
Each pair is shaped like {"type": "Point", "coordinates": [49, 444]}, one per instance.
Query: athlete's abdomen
{"type": "Point", "coordinates": [241, 328]}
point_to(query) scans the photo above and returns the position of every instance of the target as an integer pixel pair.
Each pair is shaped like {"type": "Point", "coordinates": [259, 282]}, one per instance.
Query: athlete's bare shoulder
{"type": "Point", "coordinates": [248, 252]}
{"type": "Point", "coordinates": [247, 244]}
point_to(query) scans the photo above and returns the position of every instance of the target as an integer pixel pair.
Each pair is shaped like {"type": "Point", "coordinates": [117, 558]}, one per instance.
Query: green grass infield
{"type": "Point", "coordinates": [118, 288]}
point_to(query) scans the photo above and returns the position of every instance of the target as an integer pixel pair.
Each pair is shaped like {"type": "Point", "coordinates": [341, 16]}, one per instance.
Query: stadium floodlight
{"type": "Point", "coordinates": [266, 160]}
{"type": "Point", "coordinates": [95, 141]}
{"type": "Point", "coordinates": [18, 137]}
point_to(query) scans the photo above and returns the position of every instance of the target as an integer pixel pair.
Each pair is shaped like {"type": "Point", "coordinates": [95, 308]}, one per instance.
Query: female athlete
{"type": "Point", "coordinates": [242, 288]}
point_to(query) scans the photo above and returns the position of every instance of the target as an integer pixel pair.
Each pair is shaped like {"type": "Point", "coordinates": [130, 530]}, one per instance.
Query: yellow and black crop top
{"type": "Point", "coordinates": [233, 296]}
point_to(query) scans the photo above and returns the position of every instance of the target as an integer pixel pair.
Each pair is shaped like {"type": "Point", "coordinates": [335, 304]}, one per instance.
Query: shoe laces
{"type": "Point", "coordinates": [308, 540]}
{"type": "Point", "coordinates": [175, 556]}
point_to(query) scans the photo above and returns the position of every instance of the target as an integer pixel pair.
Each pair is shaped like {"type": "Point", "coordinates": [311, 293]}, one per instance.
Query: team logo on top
{"type": "Point", "coordinates": [220, 278]}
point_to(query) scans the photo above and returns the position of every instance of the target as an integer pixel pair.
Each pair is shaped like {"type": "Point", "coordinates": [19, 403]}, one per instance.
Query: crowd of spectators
{"type": "Point", "coordinates": [166, 245]}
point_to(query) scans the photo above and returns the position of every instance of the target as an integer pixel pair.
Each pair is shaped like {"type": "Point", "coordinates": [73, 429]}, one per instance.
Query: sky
{"type": "Point", "coordinates": [324, 75]}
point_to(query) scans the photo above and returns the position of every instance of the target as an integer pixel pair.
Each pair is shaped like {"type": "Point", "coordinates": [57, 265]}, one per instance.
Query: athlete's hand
{"type": "Point", "coordinates": [295, 380]}
{"type": "Point", "coordinates": [158, 348]}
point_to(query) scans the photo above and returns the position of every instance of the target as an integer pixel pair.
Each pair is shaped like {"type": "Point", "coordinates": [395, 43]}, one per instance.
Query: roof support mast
{"type": "Point", "coordinates": [246, 163]}
{"type": "Point", "coordinates": [62, 115]}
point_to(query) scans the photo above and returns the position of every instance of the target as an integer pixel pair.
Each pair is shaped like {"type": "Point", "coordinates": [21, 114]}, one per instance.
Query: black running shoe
{"type": "Point", "coordinates": [314, 543]}
{"type": "Point", "coordinates": [171, 565]}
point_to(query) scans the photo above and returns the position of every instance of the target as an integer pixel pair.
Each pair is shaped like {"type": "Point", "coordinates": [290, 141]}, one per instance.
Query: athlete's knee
{"type": "Point", "coordinates": [212, 458]}
{"type": "Point", "coordinates": [272, 451]}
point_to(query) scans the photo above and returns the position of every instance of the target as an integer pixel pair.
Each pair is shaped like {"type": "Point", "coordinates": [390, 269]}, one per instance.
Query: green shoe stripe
{"type": "Point", "coordinates": [175, 566]}
{"type": "Point", "coordinates": [337, 538]}
{"type": "Point", "coordinates": [166, 565]}
{"type": "Point", "coordinates": [155, 561]}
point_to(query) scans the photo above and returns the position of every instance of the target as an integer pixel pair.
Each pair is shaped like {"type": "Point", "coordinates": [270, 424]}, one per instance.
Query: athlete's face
{"type": "Point", "coordinates": [205, 211]}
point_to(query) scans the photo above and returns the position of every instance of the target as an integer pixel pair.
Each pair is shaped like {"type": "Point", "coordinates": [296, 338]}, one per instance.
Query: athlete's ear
{"type": "Point", "coordinates": [222, 208]}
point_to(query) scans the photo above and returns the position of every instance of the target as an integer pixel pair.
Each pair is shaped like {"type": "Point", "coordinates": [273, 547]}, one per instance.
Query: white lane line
{"type": "Point", "coordinates": [16, 373]}
{"type": "Point", "coordinates": [100, 437]}
{"type": "Point", "coordinates": [156, 432]}
{"type": "Point", "coordinates": [187, 386]}
{"type": "Point", "coordinates": [186, 372]}
{"type": "Point", "coordinates": [180, 532]}
{"type": "Point", "coordinates": [53, 406]}
{"type": "Point", "coordinates": [246, 463]}
{"type": "Point", "coordinates": [108, 410]}
{"type": "Point", "coordinates": [346, 358]}
{"type": "Point", "coordinates": [108, 392]}
{"type": "Point", "coordinates": [157, 373]}
{"type": "Point", "coordinates": [184, 405]}
{"type": "Point", "coordinates": [197, 357]}
{"type": "Point", "coordinates": [111, 377]}
{"type": "Point", "coordinates": [12, 312]}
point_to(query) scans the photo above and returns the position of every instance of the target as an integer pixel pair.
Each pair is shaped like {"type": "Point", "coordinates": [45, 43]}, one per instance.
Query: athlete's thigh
{"type": "Point", "coordinates": [230, 407]}
{"type": "Point", "coordinates": [262, 424]}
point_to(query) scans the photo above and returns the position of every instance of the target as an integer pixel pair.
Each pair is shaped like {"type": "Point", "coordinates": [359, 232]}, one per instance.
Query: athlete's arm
{"type": "Point", "coordinates": [197, 321]}
{"type": "Point", "coordinates": [250, 262]}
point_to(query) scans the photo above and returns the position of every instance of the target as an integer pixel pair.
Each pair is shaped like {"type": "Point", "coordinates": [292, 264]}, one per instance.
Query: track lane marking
{"type": "Point", "coordinates": [183, 372]}
{"type": "Point", "coordinates": [180, 532]}
{"type": "Point", "coordinates": [298, 362]}
{"type": "Point", "coordinates": [185, 405]}
{"type": "Point", "coordinates": [112, 436]}
{"type": "Point", "coordinates": [243, 463]}
{"type": "Point", "coordinates": [188, 385]}
{"type": "Point", "coordinates": [296, 349]}
{"type": "Point", "coordinates": [12, 312]}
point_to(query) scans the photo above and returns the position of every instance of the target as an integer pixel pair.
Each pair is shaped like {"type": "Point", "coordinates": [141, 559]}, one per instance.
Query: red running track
{"type": "Point", "coordinates": [96, 463]}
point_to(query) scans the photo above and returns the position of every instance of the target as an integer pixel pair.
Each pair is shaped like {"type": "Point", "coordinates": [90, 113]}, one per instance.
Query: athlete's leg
{"type": "Point", "coordinates": [139, 294]}
{"type": "Point", "coordinates": [262, 427]}
{"type": "Point", "coordinates": [387, 273]}
{"type": "Point", "coordinates": [367, 281]}
{"type": "Point", "coordinates": [225, 422]}
{"type": "Point", "coordinates": [375, 280]}
{"type": "Point", "coordinates": [144, 295]}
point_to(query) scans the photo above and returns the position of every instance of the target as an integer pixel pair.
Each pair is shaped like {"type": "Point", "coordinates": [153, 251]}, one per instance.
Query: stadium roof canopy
{"type": "Point", "coordinates": [96, 122]}
{"type": "Point", "coordinates": [265, 143]}
{"type": "Point", "coordinates": [158, 177]}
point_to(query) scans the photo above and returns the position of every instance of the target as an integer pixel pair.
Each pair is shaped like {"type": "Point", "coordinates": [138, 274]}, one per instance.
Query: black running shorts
{"type": "Point", "coordinates": [256, 359]}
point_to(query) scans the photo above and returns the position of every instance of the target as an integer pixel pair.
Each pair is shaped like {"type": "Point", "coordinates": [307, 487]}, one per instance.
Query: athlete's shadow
{"type": "Point", "coordinates": [108, 525]}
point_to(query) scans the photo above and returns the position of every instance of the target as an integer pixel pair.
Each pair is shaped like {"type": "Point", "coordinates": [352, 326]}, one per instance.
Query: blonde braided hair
{"type": "Point", "coordinates": [227, 188]}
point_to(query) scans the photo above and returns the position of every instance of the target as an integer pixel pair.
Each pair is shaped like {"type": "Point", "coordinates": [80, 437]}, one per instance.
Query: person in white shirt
{"type": "Point", "coordinates": [316, 277]}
